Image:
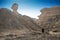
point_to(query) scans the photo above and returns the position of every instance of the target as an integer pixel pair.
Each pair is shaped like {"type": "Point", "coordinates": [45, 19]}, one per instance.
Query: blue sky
{"type": "Point", "coordinates": [30, 7]}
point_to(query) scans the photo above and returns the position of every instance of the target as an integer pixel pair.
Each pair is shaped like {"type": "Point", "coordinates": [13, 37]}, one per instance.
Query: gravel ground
{"type": "Point", "coordinates": [32, 37]}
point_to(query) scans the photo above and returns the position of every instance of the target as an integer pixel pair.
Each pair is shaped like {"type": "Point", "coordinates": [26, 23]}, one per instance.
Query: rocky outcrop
{"type": "Point", "coordinates": [14, 26]}
{"type": "Point", "coordinates": [11, 22]}
{"type": "Point", "coordinates": [50, 19]}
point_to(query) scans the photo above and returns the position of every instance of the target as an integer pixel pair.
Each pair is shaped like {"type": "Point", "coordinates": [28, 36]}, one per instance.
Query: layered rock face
{"type": "Point", "coordinates": [15, 23]}
{"type": "Point", "coordinates": [14, 26]}
{"type": "Point", "coordinates": [50, 18]}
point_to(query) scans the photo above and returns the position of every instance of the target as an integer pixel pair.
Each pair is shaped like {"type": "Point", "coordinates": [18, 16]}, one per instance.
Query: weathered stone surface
{"type": "Point", "coordinates": [50, 19]}
{"type": "Point", "coordinates": [14, 26]}
{"type": "Point", "coordinates": [15, 23]}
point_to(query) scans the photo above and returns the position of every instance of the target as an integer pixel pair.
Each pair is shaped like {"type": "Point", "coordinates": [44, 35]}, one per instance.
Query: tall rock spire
{"type": "Point", "coordinates": [15, 8]}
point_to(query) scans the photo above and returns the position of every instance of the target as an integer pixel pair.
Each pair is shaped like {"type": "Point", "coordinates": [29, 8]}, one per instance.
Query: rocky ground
{"type": "Point", "coordinates": [31, 36]}
{"type": "Point", "coordinates": [14, 26]}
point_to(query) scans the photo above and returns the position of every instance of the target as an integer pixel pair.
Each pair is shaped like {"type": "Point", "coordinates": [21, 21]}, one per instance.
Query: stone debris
{"type": "Point", "coordinates": [14, 26]}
